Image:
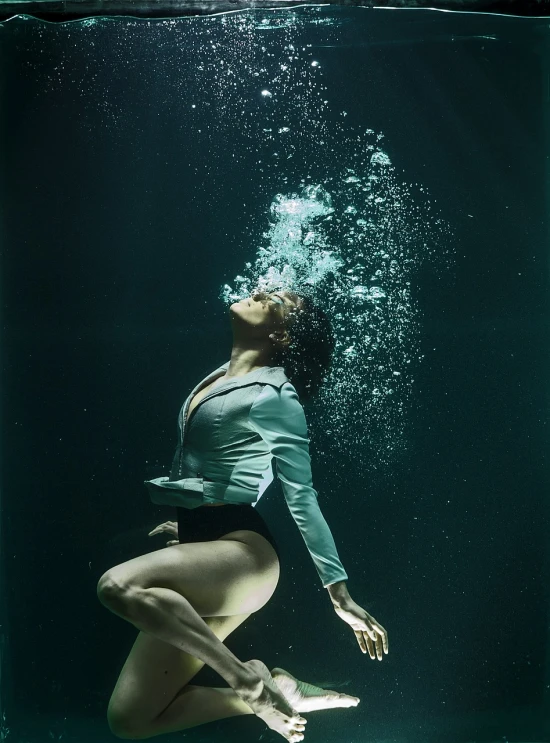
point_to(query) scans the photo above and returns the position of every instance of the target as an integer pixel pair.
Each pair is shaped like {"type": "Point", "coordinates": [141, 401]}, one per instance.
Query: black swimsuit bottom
{"type": "Point", "coordinates": [206, 524]}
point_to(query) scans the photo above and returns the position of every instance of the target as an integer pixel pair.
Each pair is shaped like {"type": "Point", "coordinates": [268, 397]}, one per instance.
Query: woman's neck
{"type": "Point", "coordinates": [245, 360]}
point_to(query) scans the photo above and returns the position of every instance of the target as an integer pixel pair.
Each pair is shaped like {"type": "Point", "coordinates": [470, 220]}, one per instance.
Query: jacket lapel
{"type": "Point", "coordinates": [274, 375]}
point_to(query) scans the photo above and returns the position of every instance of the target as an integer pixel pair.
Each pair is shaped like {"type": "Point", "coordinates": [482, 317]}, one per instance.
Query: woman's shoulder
{"type": "Point", "coordinates": [277, 411]}
{"type": "Point", "coordinates": [274, 376]}
{"type": "Point", "coordinates": [281, 397]}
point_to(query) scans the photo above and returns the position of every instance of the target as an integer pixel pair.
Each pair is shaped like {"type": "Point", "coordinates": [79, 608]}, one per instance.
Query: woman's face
{"type": "Point", "coordinates": [268, 311]}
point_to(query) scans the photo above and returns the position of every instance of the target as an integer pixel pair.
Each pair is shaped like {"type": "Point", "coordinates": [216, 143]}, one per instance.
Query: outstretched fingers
{"type": "Point", "coordinates": [373, 637]}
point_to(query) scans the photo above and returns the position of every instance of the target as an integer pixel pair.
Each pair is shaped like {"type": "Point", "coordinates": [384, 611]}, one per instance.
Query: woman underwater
{"type": "Point", "coordinates": [188, 598]}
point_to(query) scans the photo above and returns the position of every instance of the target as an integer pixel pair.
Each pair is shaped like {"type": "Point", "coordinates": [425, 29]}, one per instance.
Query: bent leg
{"type": "Point", "coordinates": [158, 594]}
{"type": "Point", "coordinates": [166, 594]}
{"type": "Point", "coordinates": [150, 696]}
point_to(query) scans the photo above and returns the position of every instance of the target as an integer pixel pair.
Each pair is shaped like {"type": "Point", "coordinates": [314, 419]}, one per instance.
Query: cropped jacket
{"type": "Point", "coordinates": [225, 452]}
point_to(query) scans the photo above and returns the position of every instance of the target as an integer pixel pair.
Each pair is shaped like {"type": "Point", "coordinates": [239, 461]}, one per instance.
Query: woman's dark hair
{"type": "Point", "coordinates": [306, 360]}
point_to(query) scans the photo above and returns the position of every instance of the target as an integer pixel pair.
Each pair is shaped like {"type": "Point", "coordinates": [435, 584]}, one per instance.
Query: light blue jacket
{"type": "Point", "coordinates": [225, 451]}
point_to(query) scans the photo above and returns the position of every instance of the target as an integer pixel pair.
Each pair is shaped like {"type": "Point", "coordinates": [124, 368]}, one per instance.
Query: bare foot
{"type": "Point", "coordinates": [306, 697]}
{"type": "Point", "coordinates": [268, 702]}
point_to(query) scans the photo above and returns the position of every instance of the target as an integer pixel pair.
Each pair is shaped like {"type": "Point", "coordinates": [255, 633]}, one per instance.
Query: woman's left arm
{"type": "Point", "coordinates": [279, 418]}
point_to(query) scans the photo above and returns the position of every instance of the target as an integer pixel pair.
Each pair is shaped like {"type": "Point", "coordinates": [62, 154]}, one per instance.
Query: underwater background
{"type": "Point", "coordinates": [394, 161]}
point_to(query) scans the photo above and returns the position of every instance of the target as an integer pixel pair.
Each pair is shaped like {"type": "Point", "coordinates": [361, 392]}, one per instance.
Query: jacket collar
{"type": "Point", "coordinates": [272, 375]}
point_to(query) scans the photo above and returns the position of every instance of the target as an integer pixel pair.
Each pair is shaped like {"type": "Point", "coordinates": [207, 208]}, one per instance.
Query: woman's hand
{"type": "Point", "coordinates": [367, 630]}
{"type": "Point", "coordinates": [169, 527]}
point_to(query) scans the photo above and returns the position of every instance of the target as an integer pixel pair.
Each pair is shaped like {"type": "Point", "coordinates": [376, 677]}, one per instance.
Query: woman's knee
{"type": "Point", "coordinates": [113, 591]}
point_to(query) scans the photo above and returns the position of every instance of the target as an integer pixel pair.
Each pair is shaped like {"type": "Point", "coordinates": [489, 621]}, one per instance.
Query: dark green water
{"type": "Point", "coordinates": [397, 159]}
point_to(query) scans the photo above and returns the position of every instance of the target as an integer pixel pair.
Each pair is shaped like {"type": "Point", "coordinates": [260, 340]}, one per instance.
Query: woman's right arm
{"type": "Point", "coordinates": [169, 527]}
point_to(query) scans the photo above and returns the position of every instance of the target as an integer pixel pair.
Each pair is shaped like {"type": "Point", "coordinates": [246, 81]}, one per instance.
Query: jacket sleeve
{"type": "Point", "coordinates": [278, 417]}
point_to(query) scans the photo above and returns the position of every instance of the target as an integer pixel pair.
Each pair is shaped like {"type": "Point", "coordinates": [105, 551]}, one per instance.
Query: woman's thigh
{"type": "Point", "coordinates": [236, 574]}
{"type": "Point", "coordinates": [153, 675]}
